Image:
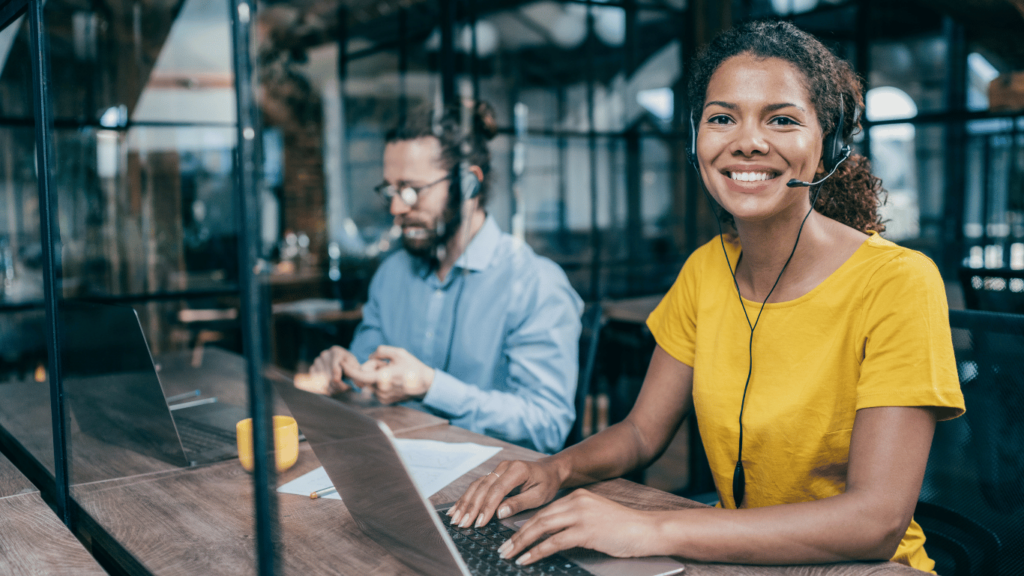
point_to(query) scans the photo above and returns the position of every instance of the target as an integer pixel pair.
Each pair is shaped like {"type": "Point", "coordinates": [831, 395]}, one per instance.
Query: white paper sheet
{"type": "Point", "coordinates": [433, 466]}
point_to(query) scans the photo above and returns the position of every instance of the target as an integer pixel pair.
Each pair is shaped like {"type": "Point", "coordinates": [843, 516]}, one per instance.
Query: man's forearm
{"type": "Point", "coordinates": [529, 417]}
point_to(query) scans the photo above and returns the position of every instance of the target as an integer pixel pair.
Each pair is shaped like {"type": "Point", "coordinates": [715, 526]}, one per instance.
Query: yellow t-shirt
{"type": "Point", "coordinates": [874, 333]}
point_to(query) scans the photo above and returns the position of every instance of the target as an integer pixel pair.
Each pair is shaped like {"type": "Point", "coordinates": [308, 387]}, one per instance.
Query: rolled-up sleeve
{"type": "Point", "coordinates": [535, 405]}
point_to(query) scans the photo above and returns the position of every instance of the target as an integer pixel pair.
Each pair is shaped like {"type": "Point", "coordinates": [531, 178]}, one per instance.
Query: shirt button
{"type": "Point", "coordinates": [430, 333]}
{"type": "Point", "coordinates": [438, 293]}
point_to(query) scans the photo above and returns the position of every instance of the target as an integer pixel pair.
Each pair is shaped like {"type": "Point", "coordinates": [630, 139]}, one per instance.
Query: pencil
{"type": "Point", "coordinates": [323, 492]}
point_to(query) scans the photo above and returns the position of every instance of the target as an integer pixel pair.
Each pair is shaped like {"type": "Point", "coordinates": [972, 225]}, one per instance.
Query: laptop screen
{"type": "Point", "coordinates": [112, 388]}
{"type": "Point", "coordinates": [363, 464]}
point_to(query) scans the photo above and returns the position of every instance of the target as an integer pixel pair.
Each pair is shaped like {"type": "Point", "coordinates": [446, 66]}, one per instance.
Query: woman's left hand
{"type": "Point", "coordinates": [586, 520]}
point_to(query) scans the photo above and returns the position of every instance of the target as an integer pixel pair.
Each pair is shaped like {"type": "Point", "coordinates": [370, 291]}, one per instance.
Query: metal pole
{"type": "Point", "coordinates": [1012, 175]}
{"type": "Point", "coordinates": [251, 266]}
{"type": "Point", "coordinates": [986, 183]}
{"type": "Point", "coordinates": [474, 60]}
{"type": "Point", "coordinates": [595, 238]}
{"type": "Point", "coordinates": [563, 190]}
{"type": "Point", "coordinates": [447, 53]}
{"type": "Point", "coordinates": [863, 59]}
{"type": "Point", "coordinates": [403, 65]}
{"type": "Point", "coordinates": [953, 245]}
{"type": "Point", "coordinates": [344, 161]}
{"type": "Point", "coordinates": [49, 227]}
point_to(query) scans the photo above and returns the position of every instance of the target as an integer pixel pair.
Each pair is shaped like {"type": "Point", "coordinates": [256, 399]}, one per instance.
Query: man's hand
{"type": "Point", "coordinates": [333, 364]}
{"type": "Point", "coordinates": [403, 377]}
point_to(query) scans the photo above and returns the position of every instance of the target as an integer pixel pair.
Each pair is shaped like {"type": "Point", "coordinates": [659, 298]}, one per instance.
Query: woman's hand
{"type": "Point", "coordinates": [537, 482]}
{"type": "Point", "coordinates": [586, 520]}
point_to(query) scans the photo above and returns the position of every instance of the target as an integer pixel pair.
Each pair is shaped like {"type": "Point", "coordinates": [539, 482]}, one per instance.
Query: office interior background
{"type": "Point", "coordinates": [589, 166]}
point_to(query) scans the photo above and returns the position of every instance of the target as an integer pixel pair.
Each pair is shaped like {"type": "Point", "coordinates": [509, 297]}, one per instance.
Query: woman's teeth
{"type": "Point", "coordinates": [751, 176]}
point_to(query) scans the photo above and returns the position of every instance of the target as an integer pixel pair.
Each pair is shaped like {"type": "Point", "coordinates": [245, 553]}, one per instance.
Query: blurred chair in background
{"type": "Point", "coordinates": [971, 505]}
{"type": "Point", "coordinates": [586, 415]}
{"type": "Point", "coordinates": [993, 289]}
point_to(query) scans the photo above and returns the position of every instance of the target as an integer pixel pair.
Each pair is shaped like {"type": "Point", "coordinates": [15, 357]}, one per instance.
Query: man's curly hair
{"type": "Point", "coordinates": [853, 194]}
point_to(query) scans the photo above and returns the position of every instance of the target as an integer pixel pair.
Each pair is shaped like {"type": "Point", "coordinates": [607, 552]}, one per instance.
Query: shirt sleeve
{"type": "Point", "coordinates": [674, 322]}
{"type": "Point", "coordinates": [369, 334]}
{"type": "Point", "coordinates": [536, 406]}
{"type": "Point", "coordinates": [907, 345]}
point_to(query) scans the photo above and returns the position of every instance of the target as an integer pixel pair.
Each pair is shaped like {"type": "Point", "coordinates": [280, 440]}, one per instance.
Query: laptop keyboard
{"type": "Point", "coordinates": [199, 438]}
{"type": "Point", "coordinates": [479, 548]}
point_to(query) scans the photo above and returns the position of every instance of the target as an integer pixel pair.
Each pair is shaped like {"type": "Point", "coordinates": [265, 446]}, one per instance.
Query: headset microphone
{"type": "Point", "coordinates": [794, 183]}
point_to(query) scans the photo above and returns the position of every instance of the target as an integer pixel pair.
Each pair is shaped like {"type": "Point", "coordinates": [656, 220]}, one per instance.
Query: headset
{"type": "Point", "coordinates": [467, 186]}
{"type": "Point", "coordinates": [835, 151]}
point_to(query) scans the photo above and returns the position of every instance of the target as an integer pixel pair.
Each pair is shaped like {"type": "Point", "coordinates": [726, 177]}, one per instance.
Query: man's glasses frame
{"type": "Point", "coordinates": [388, 191]}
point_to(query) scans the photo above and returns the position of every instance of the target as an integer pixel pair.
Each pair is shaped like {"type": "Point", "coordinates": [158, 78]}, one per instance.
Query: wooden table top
{"type": "Point", "coordinates": [33, 541]}
{"type": "Point", "coordinates": [12, 481]}
{"type": "Point", "coordinates": [201, 520]}
{"type": "Point", "coordinates": [25, 414]}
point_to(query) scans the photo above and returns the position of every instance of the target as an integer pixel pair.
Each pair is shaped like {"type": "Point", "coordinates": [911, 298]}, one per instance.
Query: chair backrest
{"type": "Point", "coordinates": [972, 500]}
{"type": "Point", "coordinates": [993, 290]}
{"type": "Point", "coordinates": [593, 321]}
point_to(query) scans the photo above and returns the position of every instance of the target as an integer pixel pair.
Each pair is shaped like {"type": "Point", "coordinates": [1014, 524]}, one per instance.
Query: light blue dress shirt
{"type": "Point", "coordinates": [514, 352]}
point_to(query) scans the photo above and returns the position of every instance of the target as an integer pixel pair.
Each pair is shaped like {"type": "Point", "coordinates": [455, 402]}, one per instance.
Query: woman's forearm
{"type": "Point", "coordinates": [663, 402]}
{"type": "Point", "coordinates": [611, 453]}
{"type": "Point", "coordinates": [841, 528]}
{"type": "Point", "coordinates": [888, 455]}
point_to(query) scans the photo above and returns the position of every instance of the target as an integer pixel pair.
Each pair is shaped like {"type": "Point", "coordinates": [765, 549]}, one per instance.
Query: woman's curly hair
{"type": "Point", "coordinates": [853, 194]}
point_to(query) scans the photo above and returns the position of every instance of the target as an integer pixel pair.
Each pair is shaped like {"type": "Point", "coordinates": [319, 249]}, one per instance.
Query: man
{"type": "Point", "coordinates": [466, 322]}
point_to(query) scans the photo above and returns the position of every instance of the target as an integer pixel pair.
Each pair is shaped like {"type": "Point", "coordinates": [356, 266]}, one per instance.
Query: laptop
{"type": "Point", "coordinates": [115, 395]}
{"type": "Point", "coordinates": [361, 459]}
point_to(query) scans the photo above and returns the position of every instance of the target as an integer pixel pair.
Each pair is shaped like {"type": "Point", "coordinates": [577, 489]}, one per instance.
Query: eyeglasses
{"type": "Point", "coordinates": [408, 194]}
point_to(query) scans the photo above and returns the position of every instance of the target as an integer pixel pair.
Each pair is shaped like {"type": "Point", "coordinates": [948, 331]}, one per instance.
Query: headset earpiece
{"type": "Point", "coordinates": [691, 152]}
{"type": "Point", "coordinates": [469, 184]}
{"type": "Point", "coordinates": [834, 149]}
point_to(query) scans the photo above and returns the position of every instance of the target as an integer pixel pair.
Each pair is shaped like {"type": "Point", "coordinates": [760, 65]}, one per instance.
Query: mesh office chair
{"type": "Point", "coordinates": [593, 321]}
{"type": "Point", "coordinates": [972, 501]}
{"type": "Point", "coordinates": [993, 290]}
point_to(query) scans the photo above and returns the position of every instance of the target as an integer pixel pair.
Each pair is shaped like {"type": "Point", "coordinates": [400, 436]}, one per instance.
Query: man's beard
{"type": "Point", "coordinates": [427, 240]}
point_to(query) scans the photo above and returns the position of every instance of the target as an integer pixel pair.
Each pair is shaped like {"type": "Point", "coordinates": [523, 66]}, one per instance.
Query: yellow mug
{"type": "Point", "coordinates": [286, 442]}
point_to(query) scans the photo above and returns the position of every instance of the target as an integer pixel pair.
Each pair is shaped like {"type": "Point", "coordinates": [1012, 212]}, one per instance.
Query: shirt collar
{"type": "Point", "coordinates": [481, 248]}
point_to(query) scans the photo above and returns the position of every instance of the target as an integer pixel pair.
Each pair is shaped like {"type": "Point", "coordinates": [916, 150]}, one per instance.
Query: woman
{"type": "Point", "coordinates": [838, 389]}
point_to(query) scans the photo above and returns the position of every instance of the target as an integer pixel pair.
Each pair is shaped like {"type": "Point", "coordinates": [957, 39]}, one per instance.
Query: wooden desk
{"type": "Point", "coordinates": [25, 415]}
{"type": "Point", "coordinates": [201, 521]}
{"type": "Point", "coordinates": [12, 481]}
{"type": "Point", "coordinates": [32, 538]}
{"type": "Point", "coordinates": [34, 542]}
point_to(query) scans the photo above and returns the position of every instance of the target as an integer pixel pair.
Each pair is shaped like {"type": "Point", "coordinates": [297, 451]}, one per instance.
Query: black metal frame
{"type": "Point", "coordinates": [252, 268]}
{"type": "Point", "coordinates": [50, 232]}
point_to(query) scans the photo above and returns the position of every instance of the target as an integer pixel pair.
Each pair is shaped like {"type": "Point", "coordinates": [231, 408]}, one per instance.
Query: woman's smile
{"type": "Point", "coordinates": [751, 179]}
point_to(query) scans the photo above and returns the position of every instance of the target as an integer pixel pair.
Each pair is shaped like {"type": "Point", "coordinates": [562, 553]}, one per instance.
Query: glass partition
{"type": "Point", "coordinates": [25, 417]}
{"type": "Point", "coordinates": [206, 243]}
{"type": "Point", "coordinates": [147, 301]}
